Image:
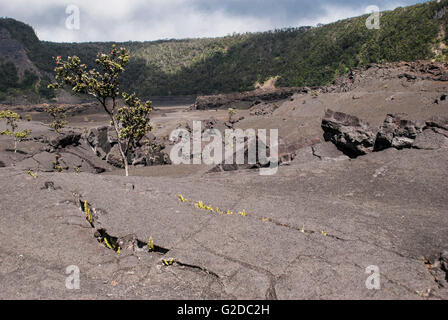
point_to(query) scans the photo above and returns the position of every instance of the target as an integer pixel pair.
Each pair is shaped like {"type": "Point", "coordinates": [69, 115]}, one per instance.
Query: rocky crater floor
{"type": "Point", "coordinates": [362, 184]}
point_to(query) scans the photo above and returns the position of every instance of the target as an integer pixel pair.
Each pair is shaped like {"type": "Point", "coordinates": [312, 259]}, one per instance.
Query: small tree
{"type": "Point", "coordinates": [11, 121]}
{"type": "Point", "coordinates": [59, 116]}
{"type": "Point", "coordinates": [134, 121]}
{"type": "Point", "coordinates": [130, 122]}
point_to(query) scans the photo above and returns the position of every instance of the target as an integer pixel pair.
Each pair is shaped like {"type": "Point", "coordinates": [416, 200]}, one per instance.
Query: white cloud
{"type": "Point", "coordinates": [157, 23]}
{"type": "Point", "coordinates": [332, 13]}
{"type": "Point", "coordinates": [139, 20]}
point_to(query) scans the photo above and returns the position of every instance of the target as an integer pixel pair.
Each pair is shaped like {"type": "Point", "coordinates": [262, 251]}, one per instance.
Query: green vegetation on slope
{"type": "Point", "coordinates": [29, 84]}
{"type": "Point", "coordinates": [299, 56]}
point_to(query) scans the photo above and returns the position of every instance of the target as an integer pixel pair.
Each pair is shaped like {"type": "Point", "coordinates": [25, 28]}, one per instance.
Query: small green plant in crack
{"type": "Point", "coordinates": [243, 213]}
{"type": "Point", "coordinates": [111, 244]}
{"type": "Point", "coordinates": [210, 209]}
{"type": "Point", "coordinates": [151, 244]}
{"type": "Point", "coordinates": [87, 211]}
{"type": "Point", "coordinates": [108, 240]}
{"type": "Point", "coordinates": [56, 164]}
{"type": "Point", "coordinates": [168, 262]}
{"type": "Point", "coordinates": [77, 169]}
{"type": "Point", "coordinates": [153, 248]}
{"type": "Point", "coordinates": [32, 174]}
{"type": "Point", "coordinates": [202, 206]}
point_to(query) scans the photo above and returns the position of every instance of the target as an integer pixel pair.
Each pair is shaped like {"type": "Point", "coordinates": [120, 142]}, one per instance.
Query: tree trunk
{"type": "Point", "coordinates": [123, 155]}
{"type": "Point", "coordinates": [114, 122]}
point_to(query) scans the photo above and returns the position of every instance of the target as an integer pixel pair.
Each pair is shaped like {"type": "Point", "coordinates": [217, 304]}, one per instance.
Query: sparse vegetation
{"type": "Point", "coordinates": [58, 114]}
{"type": "Point", "coordinates": [110, 243]}
{"type": "Point", "coordinates": [209, 208]}
{"type": "Point", "coordinates": [168, 262]}
{"type": "Point", "coordinates": [133, 120]}
{"type": "Point", "coordinates": [231, 113]}
{"type": "Point", "coordinates": [201, 205]}
{"type": "Point", "coordinates": [150, 244]}
{"type": "Point", "coordinates": [56, 164]}
{"type": "Point", "coordinates": [32, 174]}
{"type": "Point", "coordinates": [86, 210]}
{"type": "Point", "coordinates": [11, 122]}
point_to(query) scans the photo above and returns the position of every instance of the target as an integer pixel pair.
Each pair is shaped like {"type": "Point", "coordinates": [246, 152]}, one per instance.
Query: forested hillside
{"type": "Point", "coordinates": [302, 56]}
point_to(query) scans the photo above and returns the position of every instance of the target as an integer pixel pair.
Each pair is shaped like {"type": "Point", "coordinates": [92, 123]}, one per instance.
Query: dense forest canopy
{"type": "Point", "coordinates": [304, 56]}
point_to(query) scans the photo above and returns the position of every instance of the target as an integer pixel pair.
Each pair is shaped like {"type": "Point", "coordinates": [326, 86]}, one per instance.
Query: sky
{"type": "Point", "coordinates": [142, 20]}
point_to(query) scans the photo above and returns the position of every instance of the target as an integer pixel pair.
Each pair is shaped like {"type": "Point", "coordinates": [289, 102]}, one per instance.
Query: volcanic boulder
{"type": "Point", "coordinates": [64, 139]}
{"type": "Point", "coordinates": [150, 150]}
{"type": "Point", "coordinates": [397, 132]}
{"type": "Point", "coordinates": [434, 136]}
{"type": "Point", "coordinates": [114, 157]}
{"type": "Point", "coordinates": [351, 135]}
{"type": "Point", "coordinates": [152, 153]}
{"type": "Point", "coordinates": [102, 140]}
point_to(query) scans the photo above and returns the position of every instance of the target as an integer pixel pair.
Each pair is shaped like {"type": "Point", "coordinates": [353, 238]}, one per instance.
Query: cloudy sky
{"type": "Point", "coordinates": [139, 20]}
